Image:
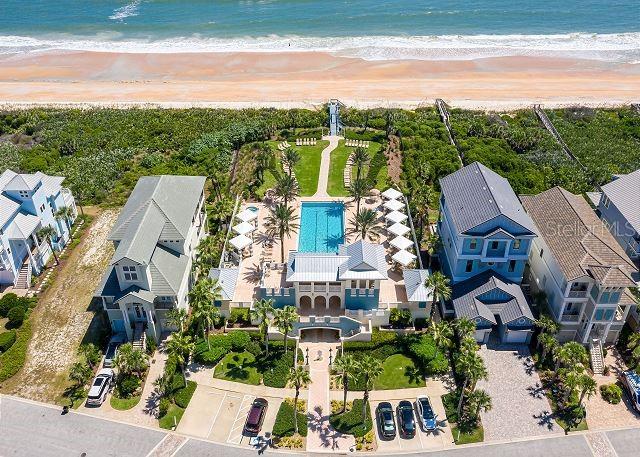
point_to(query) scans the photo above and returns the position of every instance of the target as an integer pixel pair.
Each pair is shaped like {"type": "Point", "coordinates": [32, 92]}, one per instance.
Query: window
{"type": "Point", "coordinates": [516, 244]}
{"type": "Point", "coordinates": [512, 266]}
{"type": "Point", "coordinates": [605, 297]}
{"type": "Point", "coordinates": [130, 273]}
{"type": "Point", "coordinates": [599, 314]}
{"type": "Point", "coordinates": [473, 244]}
{"type": "Point", "coordinates": [594, 292]}
{"type": "Point", "coordinates": [544, 280]}
{"type": "Point", "coordinates": [469, 267]}
{"type": "Point", "coordinates": [494, 245]}
{"type": "Point", "coordinates": [23, 193]}
{"type": "Point", "coordinates": [541, 252]}
{"type": "Point", "coordinates": [372, 284]}
{"type": "Point", "coordinates": [614, 297]}
{"type": "Point", "coordinates": [605, 201]}
{"type": "Point", "coordinates": [354, 284]}
{"type": "Point", "coordinates": [608, 314]}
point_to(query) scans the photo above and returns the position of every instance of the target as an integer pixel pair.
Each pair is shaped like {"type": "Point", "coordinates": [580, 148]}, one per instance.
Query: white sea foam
{"type": "Point", "coordinates": [126, 11]}
{"type": "Point", "coordinates": [622, 47]}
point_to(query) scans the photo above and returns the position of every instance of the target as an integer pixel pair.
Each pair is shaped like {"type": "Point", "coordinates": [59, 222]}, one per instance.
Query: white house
{"type": "Point", "coordinates": [28, 202]}
{"type": "Point", "coordinates": [155, 239]}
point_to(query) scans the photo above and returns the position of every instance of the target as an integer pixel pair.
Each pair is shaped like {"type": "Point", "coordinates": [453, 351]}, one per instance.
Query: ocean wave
{"type": "Point", "coordinates": [608, 47]}
{"type": "Point", "coordinates": [126, 11]}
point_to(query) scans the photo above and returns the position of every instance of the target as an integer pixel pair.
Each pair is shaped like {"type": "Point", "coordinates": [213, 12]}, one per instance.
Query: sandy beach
{"type": "Point", "coordinates": [303, 79]}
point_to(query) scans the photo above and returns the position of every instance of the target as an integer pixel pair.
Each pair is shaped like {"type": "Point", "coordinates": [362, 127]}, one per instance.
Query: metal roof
{"type": "Point", "coordinates": [364, 261]}
{"type": "Point", "coordinates": [624, 193]}
{"type": "Point", "coordinates": [475, 194]}
{"type": "Point", "coordinates": [314, 266]}
{"type": "Point", "coordinates": [23, 226]}
{"type": "Point", "coordinates": [392, 193]}
{"type": "Point", "coordinates": [8, 208]}
{"type": "Point", "coordinates": [414, 283]}
{"type": "Point", "coordinates": [141, 238]}
{"type": "Point", "coordinates": [227, 279]}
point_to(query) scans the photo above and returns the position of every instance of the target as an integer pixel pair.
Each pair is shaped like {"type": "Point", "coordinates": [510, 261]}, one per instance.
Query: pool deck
{"type": "Point", "coordinates": [391, 291]}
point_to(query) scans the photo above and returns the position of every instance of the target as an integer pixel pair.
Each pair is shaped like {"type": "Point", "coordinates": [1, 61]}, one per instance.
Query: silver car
{"type": "Point", "coordinates": [100, 387]}
{"type": "Point", "coordinates": [112, 349]}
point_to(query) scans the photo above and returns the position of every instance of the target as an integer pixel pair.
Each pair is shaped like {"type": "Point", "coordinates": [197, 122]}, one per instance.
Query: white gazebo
{"type": "Point", "coordinates": [401, 243]}
{"type": "Point", "coordinates": [244, 228]}
{"type": "Point", "coordinates": [398, 229]}
{"type": "Point", "coordinates": [393, 205]}
{"type": "Point", "coordinates": [403, 257]}
{"type": "Point", "coordinates": [395, 217]}
{"type": "Point", "coordinates": [247, 215]}
{"type": "Point", "coordinates": [240, 242]}
{"type": "Point", "coordinates": [391, 194]}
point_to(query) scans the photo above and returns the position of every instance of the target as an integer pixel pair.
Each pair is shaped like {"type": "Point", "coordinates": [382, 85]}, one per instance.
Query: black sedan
{"type": "Point", "coordinates": [406, 419]}
{"type": "Point", "coordinates": [386, 422]}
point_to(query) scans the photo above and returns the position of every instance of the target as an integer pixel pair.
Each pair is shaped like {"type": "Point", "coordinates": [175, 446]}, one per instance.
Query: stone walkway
{"type": "Point", "coordinates": [321, 437]}
{"type": "Point", "coordinates": [325, 164]}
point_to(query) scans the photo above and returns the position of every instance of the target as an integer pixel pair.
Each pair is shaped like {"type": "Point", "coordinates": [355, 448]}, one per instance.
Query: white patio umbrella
{"type": "Point", "coordinates": [392, 194]}
{"type": "Point", "coordinates": [240, 242]}
{"type": "Point", "coordinates": [398, 229]}
{"type": "Point", "coordinates": [401, 243]}
{"type": "Point", "coordinates": [393, 205]}
{"type": "Point", "coordinates": [244, 228]}
{"type": "Point", "coordinates": [395, 216]}
{"type": "Point", "coordinates": [403, 257]}
{"type": "Point", "coordinates": [247, 215]}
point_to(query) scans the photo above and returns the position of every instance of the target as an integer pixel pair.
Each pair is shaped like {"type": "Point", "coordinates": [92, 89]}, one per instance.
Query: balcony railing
{"type": "Point", "coordinates": [320, 288]}
{"type": "Point", "coordinates": [619, 315]}
{"type": "Point", "coordinates": [335, 288]}
{"type": "Point", "coordinates": [577, 294]}
{"type": "Point", "coordinates": [304, 288]}
{"type": "Point", "coordinates": [570, 317]}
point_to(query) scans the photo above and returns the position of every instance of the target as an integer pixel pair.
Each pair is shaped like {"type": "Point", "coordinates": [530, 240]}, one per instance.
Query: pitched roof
{"type": "Point", "coordinates": [414, 285]}
{"type": "Point", "coordinates": [466, 301]}
{"type": "Point", "coordinates": [227, 279]}
{"type": "Point", "coordinates": [23, 226]}
{"type": "Point", "coordinates": [624, 193]}
{"type": "Point", "coordinates": [365, 261]}
{"type": "Point", "coordinates": [176, 197]}
{"type": "Point", "coordinates": [475, 194]}
{"type": "Point", "coordinates": [313, 266]}
{"type": "Point", "coordinates": [578, 240]}
{"type": "Point", "coordinates": [167, 271]}
{"type": "Point", "coordinates": [8, 208]}
{"type": "Point", "coordinates": [22, 182]}
{"type": "Point", "coordinates": [141, 239]}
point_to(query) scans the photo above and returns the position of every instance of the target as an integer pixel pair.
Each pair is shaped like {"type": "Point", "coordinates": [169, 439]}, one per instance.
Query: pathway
{"type": "Point", "coordinates": [325, 164]}
{"type": "Point", "coordinates": [321, 437]}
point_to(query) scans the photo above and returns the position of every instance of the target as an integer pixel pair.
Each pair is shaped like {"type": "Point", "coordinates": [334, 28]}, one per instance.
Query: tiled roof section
{"type": "Point", "coordinates": [466, 303]}
{"type": "Point", "coordinates": [8, 208]}
{"type": "Point", "coordinates": [313, 267]}
{"type": "Point", "coordinates": [627, 298]}
{"type": "Point", "coordinates": [23, 226]}
{"type": "Point", "coordinates": [578, 240]}
{"type": "Point", "coordinates": [475, 194]}
{"type": "Point", "coordinates": [365, 261]}
{"type": "Point", "coordinates": [227, 279]}
{"type": "Point", "coordinates": [414, 284]}
{"type": "Point", "coordinates": [624, 193]}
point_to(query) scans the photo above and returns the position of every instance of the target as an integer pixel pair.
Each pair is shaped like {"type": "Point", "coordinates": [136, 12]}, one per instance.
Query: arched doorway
{"type": "Point", "coordinates": [320, 335]}
{"type": "Point", "coordinates": [305, 305]}
{"type": "Point", "coordinates": [320, 304]}
{"type": "Point", "coordinates": [335, 307]}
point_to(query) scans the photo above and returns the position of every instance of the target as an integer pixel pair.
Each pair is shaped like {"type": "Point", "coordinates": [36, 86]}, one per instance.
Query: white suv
{"type": "Point", "coordinates": [100, 387]}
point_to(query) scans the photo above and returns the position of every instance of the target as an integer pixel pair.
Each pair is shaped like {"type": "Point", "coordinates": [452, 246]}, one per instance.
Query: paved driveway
{"type": "Point", "coordinates": [520, 408]}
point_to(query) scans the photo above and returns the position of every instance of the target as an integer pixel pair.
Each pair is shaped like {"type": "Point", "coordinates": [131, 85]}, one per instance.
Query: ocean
{"type": "Point", "coordinates": [369, 29]}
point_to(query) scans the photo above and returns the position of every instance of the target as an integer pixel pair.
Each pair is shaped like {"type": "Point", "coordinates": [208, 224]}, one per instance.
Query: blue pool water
{"type": "Point", "coordinates": [321, 227]}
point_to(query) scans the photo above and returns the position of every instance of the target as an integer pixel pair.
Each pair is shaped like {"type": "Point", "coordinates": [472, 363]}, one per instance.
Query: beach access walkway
{"type": "Point", "coordinates": [325, 164]}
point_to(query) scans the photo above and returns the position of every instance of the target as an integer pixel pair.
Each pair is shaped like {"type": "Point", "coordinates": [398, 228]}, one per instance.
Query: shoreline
{"type": "Point", "coordinates": [307, 79]}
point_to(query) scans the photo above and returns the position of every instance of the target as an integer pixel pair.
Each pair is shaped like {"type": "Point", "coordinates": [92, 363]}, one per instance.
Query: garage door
{"type": "Point", "coordinates": [511, 336]}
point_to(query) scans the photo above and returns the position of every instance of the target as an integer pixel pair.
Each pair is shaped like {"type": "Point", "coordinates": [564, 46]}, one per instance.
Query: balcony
{"type": "Point", "coordinates": [570, 317]}
{"type": "Point", "coordinates": [304, 288]}
{"type": "Point", "coordinates": [337, 289]}
{"type": "Point", "coordinates": [320, 288]}
{"type": "Point", "coordinates": [577, 294]}
{"type": "Point", "coordinates": [619, 315]}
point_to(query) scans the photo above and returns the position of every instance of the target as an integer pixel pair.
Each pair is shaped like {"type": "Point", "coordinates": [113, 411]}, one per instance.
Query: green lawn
{"type": "Point", "coordinates": [238, 367]}
{"type": "Point", "coordinates": [399, 372]}
{"type": "Point", "coordinates": [167, 421]}
{"type": "Point", "coordinates": [474, 436]}
{"type": "Point", "coordinates": [123, 404]}
{"type": "Point", "coordinates": [307, 170]}
{"type": "Point", "coordinates": [339, 158]}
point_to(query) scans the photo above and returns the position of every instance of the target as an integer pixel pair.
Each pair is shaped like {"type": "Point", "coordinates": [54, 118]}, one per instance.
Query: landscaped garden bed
{"type": "Point", "coordinates": [15, 333]}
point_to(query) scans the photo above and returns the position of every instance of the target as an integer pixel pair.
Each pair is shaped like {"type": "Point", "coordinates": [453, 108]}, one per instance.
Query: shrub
{"type": "Point", "coordinates": [611, 393]}
{"type": "Point", "coordinates": [254, 348]}
{"type": "Point", "coordinates": [128, 385]}
{"type": "Point", "coordinates": [238, 340]}
{"type": "Point", "coordinates": [183, 396]}
{"type": "Point", "coordinates": [210, 357]}
{"type": "Point", "coordinates": [425, 351]}
{"type": "Point", "coordinates": [352, 422]}
{"type": "Point", "coordinates": [151, 346]}
{"type": "Point", "coordinates": [7, 302]}
{"type": "Point", "coordinates": [276, 375]}
{"type": "Point", "coordinates": [284, 425]}
{"type": "Point", "coordinates": [16, 316]}
{"type": "Point", "coordinates": [12, 360]}
{"type": "Point", "coordinates": [291, 442]}
{"type": "Point", "coordinates": [400, 318]}
{"type": "Point", "coordinates": [239, 316]}
{"type": "Point", "coordinates": [163, 407]}
{"type": "Point", "coordinates": [6, 340]}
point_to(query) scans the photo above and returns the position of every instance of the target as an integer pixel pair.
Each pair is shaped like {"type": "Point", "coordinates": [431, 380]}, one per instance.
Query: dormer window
{"type": "Point", "coordinates": [473, 244]}
{"type": "Point", "coordinates": [516, 244]}
{"type": "Point", "coordinates": [23, 193]}
{"type": "Point", "coordinates": [130, 273]}
{"type": "Point", "coordinates": [605, 201]}
{"type": "Point", "coordinates": [494, 245]}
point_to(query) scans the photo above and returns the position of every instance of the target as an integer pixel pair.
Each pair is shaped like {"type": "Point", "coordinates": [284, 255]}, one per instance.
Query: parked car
{"type": "Point", "coordinates": [406, 421]}
{"type": "Point", "coordinates": [425, 414]}
{"type": "Point", "coordinates": [256, 416]}
{"type": "Point", "coordinates": [631, 381]}
{"type": "Point", "coordinates": [112, 349]}
{"type": "Point", "coordinates": [100, 387]}
{"type": "Point", "coordinates": [386, 422]}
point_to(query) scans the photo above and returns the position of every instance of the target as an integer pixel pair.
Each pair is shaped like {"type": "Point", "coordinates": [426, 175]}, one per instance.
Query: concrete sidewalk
{"type": "Point", "coordinates": [325, 165]}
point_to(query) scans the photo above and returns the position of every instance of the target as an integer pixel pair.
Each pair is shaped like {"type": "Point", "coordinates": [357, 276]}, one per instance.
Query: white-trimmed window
{"type": "Point", "coordinates": [473, 244]}
{"type": "Point", "coordinates": [516, 244]}
{"type": "Point", "coordinates": [130, 273]}
{"type": "Point", "coordinates": [605, 201]}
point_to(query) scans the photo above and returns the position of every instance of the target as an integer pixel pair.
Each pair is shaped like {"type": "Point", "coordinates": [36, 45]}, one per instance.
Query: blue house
{"type": "Point", "coordinates": [486, 238]}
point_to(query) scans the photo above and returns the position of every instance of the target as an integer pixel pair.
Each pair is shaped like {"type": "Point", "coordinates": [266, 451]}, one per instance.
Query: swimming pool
{"type": "Point", "coordinates": [321, 227]}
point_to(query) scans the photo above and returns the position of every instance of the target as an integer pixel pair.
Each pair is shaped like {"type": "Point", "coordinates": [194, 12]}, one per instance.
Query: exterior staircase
{"type": "Point", "coordinates": [139, 337]}
{"type": "Point", "coordinates": [597, 360]}
{"type": "Point", "coordinates": [24, 276]}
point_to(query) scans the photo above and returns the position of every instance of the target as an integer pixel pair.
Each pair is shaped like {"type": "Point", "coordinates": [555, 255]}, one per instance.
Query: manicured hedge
{"type": "Point", "coordinates": [352, 422]}
{"type": "Point", "coordinates": [183, 396]}
{"type": "Point", "coordinates": [611, 393]}
{"type": "Point", "coordinates": [16, 316]}
{"type": "Point", "coordinates": [6, 340]}
{"type": "Point", "coordinates": [221, 345]}
{"type": "Point", "coordinates": [13, 360]}
{"type": "Point", "coordinates": [284, 425]}
{"type": "Point", "coordinates": [276, 375]}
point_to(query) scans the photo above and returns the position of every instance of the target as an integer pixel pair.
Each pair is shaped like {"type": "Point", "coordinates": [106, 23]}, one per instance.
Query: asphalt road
{"type": "Point", "coordinates": [32, 429]}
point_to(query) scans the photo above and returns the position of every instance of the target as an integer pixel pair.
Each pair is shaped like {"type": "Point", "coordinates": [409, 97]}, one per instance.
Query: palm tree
{"type": "Point", "coordinates": [262, 311]}
{"type": "Point", "coordinates": [440, 289]}
{"type": "Point", "coordinates": [358, 190]}
{"type": "Point", "coordinates": [129, 360]}
{"type": "Point", "coordinates": [287, 188]}
{"type": "Point", "coordinates": [366, 221]}
{"type": "Point", "coordinates": [588, 386]}
{"type": "Point", "coordinates": [479, 400]}
{"type": "Point", "coordinates": [65, 214]}
{"type": "Point", "coordinates": [633, 344]}
{"type": "Point", "coordinates": [264, 154]}
{"type": "Point", "coordinates": [348, 365]}
{"type": "Point", "coordinates": [281, 222]}
{"type": "Point", "coordinates": [202, 297]}
{"type": "Point", "coordinates": [442, 334]}
{"type": "Point", "coordinates": [138, 362]}
{"type": "Point", "coordinates": [90, 353]}
{"type": "Point", "coordinates": [48, 233]}
{"type": "Point", "coordinates": [208, 251]}
{"type": "Point", "coordinates": [177, 317]}
{"type": "Point", "coordinates": [432, 244]}
{"type": "Point", "coordinates": [570, 354]}
{"type": "Point", "coordinates": [180, 346]}
{"type": "Point", "coordinates": [291, 158]}
{"type": "Point", "coordinates": [360, 158]}
{"type": "Point", "coordinates": [80, 373]}
{"type": "Point", "coordinates": [549, 343]}
{"type": "Point", "coordinates": [422, 202]}
{"type": "Point", "coordinates": [284, 319]}
{"type": "Point", "coordinates": [547, 325]}
{"type": "Point", "coordinates": [299, 377]}
{"type": "Point", "coordinates": [464, 327]}
{"type": "Point", "coordinates": [472, 367]}
{"type": "Point", "coordinates": [369, 368]}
